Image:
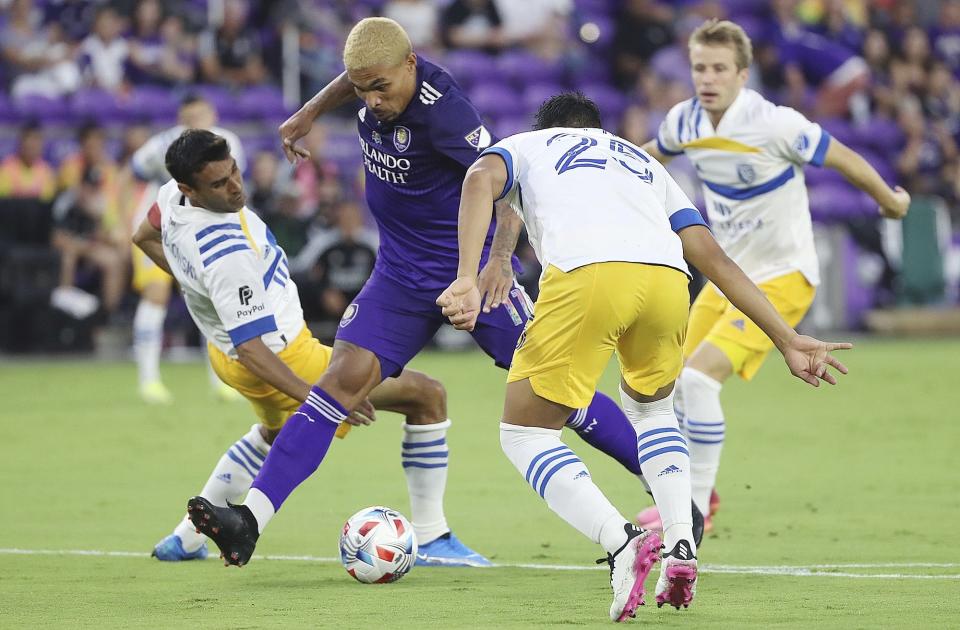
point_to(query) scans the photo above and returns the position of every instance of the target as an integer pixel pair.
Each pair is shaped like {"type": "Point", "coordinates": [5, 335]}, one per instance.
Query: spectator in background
{"type": "Point", "coordinates": [928, 148]}
{"type": "Point", "coordinates": [540, 26]}
{"type": "Point", "coordinates": [158, 54]}
{"type": "Point", "coordinates": [92, 152]}
{"type": "Point", "coordinates": [275, 198]}
{"type": "Point", "coordinates": [38, 60]}
{"type": "Point", "coordinates": [335, 263]}
{"type": "Point", "coordinates": [231, 53]}
{"type": "Point", "coordinates": [104, 52]}
{"type": "Point", "coordinates": [85, 233]}
{"type": "Point", "coordinates": [945, 35]}
{"type": "Point", "coordinates": [473, 24]}
{"type": "Point", "coordinates": [941, 100]}
{"type": "Point", "coordinates": [418, 18]}
{"type": "Point", "coordinates": [317, 179]}
{"type": "Point", "coordinates": [74, 18]}
{"type": "Point", "coordinates": [635, 125]}
{"type": "Point", "coordinates": [643, 28]}
{"type": "Point", "coordinates": [25, 174]}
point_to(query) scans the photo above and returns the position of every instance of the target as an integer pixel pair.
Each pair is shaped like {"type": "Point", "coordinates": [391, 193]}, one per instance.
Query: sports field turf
{"type": "Point", "coordinates": [861, 477]}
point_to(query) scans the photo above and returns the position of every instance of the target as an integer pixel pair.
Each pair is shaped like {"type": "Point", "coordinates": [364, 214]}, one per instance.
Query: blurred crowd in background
{"type": "Point", "coordinates": [87, 82]}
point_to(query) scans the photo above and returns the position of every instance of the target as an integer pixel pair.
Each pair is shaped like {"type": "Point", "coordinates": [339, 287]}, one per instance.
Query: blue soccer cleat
{"type": "Point", "coordinates": [170, 549]}
{"type": "Point", "coordinates": [448, 551]}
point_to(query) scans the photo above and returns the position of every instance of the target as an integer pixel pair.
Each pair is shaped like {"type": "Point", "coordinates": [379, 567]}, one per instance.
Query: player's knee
{"type": "Point", "coordinates": [710, 361]}
{"type": "Point", "coordinates": [431, 399]}
{"type": "Point", "coordinates": [352, 373]}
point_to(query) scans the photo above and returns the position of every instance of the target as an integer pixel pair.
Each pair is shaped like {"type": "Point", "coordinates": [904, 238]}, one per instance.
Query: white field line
{"type": "Point", "coordinates": [813, 570]}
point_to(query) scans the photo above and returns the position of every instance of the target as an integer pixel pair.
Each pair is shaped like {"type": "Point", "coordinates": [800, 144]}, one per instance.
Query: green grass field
{"type": "Point", "coordinates": [861, 477]}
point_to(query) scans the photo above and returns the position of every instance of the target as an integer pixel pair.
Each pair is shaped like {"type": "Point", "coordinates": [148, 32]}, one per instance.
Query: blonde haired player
{"type": "Point", "coordinates": [237, 288]}
{"type": "Point", "coordinates": [749, 154]}
{"type": "Point", "coordinates": [149, 280]}
{"type": "Point", "coordinates": [611, 229]}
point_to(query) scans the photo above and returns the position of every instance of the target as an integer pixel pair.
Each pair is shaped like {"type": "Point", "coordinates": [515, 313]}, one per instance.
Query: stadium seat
{"type": "Point", "coordinates": [263, 101]}
{"type": "Point", "coordinates": [610, 100]}
{"type": "Point", "coordinates": [152, 102]}
{"type": "Point", "coordinates": [536, 93]}
{"type": "Point", "coordinates": [98, 105]}
{"type": "Point", "coordinates": [469, 67]}
{"type": "Point", "coordinates": [518, 67]}
{"type": "Point", "coordinates": [50, 110]}
{"type": "Point", "coordinates": [496, 99]}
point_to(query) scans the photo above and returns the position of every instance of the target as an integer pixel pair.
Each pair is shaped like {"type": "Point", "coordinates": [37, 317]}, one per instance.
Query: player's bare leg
{"type": "Point", "coordinates": [424, 456]}
{"type": "Point", "coordinates": [530, 437]}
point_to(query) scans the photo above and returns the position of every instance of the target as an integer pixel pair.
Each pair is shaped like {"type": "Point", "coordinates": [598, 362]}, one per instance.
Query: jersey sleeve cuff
{"type": "Point", "coordinates": [508, 162]}
{"type": "Point", "coordinates": [248, 331]}
{"type": "Point", "coordinates": [664, 150]}
{"type": "Point", "coordinates": [685, 218]}
{"type": "Point", "coordinates": [821, 151]}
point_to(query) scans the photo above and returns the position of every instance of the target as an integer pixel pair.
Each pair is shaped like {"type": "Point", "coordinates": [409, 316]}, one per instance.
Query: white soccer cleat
{"type": "Point", "coordinates": [678, 577]}
{"type": "Point", "coordinates": [629, 567]}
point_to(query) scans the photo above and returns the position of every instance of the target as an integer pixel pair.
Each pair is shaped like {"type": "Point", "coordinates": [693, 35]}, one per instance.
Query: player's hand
{"type": "Point", "coordinates": [495, 281]}
{"type": "Point", "coordinates": [900, 206]}
{"type": "Point", "coordinates": [364, 414]}
{"type": "Point", "coordinates": [808, 359]}
{"type": "Point", "coordinates": [460, 303]}
{"type": "Point", "coordinates": [292, 129]}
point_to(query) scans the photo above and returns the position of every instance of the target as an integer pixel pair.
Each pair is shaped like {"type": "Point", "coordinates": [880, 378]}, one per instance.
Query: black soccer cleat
{"type": "Point", "coordinates": [232, 528]}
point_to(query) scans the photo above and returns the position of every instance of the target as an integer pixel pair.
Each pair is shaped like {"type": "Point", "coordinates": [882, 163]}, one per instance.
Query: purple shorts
{"type": "Point", "coordinates": [395, 322]}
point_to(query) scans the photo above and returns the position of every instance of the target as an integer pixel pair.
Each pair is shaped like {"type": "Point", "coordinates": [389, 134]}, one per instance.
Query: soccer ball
{"type": "Point", "coordinates": [377, 545]}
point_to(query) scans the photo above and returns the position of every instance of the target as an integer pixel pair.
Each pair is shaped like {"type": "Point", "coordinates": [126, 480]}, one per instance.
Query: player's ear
{"type": "Point", "coordinates": [410, 63]}
{"type": "Point", "coordinates": [184, 188]}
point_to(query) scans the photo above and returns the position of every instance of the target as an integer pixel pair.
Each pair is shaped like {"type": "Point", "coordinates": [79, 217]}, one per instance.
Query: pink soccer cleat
{"type": "Point", "coordinates": [629, 567]}
{"type": "Point", "coordinates": [678, 577]}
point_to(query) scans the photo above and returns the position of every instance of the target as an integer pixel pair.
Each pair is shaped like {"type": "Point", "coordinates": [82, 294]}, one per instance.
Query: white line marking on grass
{"type": "Point", "coordinates": [813, 570]}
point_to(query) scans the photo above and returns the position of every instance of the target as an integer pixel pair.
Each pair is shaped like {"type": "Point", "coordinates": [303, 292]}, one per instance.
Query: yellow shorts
{"type": "Point", "coordinates": [582, 316]}
{"type": "Point", "coordinates": [145, 271]}
{"type": "Point", "coordinates": [306, 357]}
{"type": "Point", "coordinates": [715, 320]}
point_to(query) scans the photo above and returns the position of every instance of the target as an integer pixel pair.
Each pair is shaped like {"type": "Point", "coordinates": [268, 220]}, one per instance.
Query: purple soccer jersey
{"type": "Point", "coordinates": [415, 167]}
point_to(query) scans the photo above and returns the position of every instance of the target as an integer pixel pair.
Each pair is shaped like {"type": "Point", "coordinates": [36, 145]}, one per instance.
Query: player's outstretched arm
{"type": "Point", "coordinates": [807, 358]}
{"type": "Point", "coordinates": [893, 202]}
{"type": "Point", "coordinates": [496, 277]}
{"type": "Point", "coordinates": [460, 302]}
{"type": "Point", "coordinates": [336, 93]}
{"type": "Point", "coordinates": [148, 239]}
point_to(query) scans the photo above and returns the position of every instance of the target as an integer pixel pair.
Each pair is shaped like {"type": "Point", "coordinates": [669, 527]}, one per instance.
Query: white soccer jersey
{"type": "Point", "coordinates": [588, 196]}
{"type": "Point", "coordinates": [234, 276]}
{"type": "Point", "coordinates": [751, 167]}
{"type": "Point", "coordinates": [149, 162]}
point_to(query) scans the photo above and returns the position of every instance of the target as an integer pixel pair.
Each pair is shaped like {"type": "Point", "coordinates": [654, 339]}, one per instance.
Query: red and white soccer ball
{"type": "Point", "coordinates": [377, 545]}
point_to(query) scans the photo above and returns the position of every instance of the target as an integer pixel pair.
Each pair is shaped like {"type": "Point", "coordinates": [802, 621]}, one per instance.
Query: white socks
{"type": "Point", "coordinates": [424, 456]}
{"type": "Point", "coordinates": [148, 339]}
{"type": "Point", "coordinates": [557, 474]}
{"type": "Point", "coordinates": [698, 406]}
{"type": "Point", "coordinates": [665, 463]}
{"type": "Point", "coordinates": [229, 481]}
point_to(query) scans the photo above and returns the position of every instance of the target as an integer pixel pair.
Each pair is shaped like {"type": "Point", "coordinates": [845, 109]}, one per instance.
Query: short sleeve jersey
{"type": "Point", "coordinates": [588, 196]}
{"type": "Point", "coordinates": [415, 167]}
{"type": "Point", "coordinates": [751, 167]}
{"type": "Point", "coordinates": [234, 277]}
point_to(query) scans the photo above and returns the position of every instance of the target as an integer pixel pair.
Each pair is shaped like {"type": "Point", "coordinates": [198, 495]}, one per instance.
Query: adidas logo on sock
{"type": "Point", "coordinates": [669, 470]}
{"type": "Point", "coordinates": [581, 475]}
{"type": "Point", "coordinates": [225, 477]}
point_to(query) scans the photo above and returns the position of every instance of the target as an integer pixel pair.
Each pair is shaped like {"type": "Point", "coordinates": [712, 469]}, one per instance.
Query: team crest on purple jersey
{"type": "Point", "coordinates": [349, 314]}
{"type": "Point", "coordinates": [376, 137]}
{"type": "Point", "coordinates": [401, 138]}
